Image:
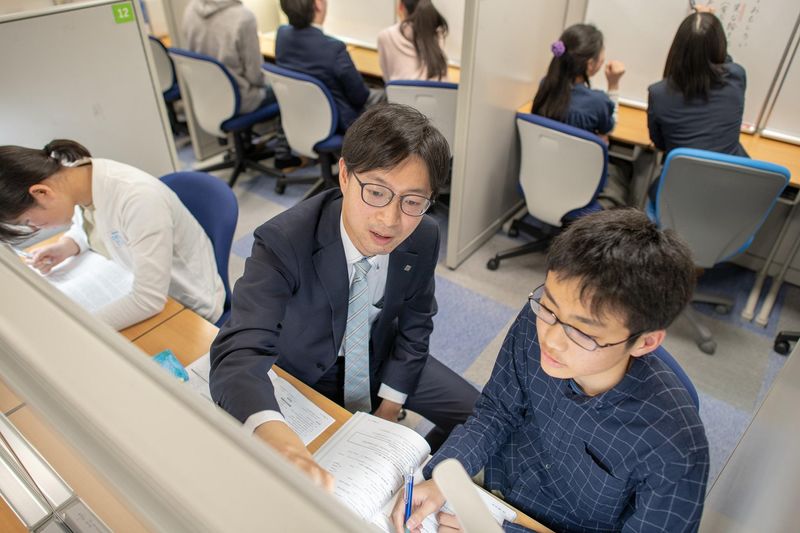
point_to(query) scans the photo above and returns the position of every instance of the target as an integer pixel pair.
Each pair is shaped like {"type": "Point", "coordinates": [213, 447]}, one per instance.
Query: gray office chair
{"type": "Point", "coordinates": [716, 203]}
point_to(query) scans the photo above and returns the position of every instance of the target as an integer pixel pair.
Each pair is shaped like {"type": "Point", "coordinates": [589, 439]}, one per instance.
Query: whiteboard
{"type": "Point", "coordinates": [640, 34]}
{"type": "Point", "coordinates": [784, 119]}
{"type": "Point", "coordinates": [77, 74]}
{"type": "Point", "coordinates": [453, 12]}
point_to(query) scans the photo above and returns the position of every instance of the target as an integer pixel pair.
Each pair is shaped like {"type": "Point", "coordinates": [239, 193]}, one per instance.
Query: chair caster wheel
{"type": "Point", "coordinates": [723, 309]}
{"type": "Point", "coordinates": [493, 263]}
{"type": "Point", "coordinates": [782, 347]}
{"type": "Point", "coordinates": [280, 188]}
{"type": "Point", "coordinates": [513, 232]}
{"type": "Point", "coordinates": [708, 347]}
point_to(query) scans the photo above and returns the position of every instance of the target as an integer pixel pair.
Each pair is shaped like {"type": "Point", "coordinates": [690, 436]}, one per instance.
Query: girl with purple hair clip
{"type": "Point", "coordinates": [565, 95]}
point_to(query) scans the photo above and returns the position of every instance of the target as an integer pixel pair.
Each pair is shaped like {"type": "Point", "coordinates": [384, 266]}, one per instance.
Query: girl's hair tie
{"type": "Point", "coordinates": [558, 48]}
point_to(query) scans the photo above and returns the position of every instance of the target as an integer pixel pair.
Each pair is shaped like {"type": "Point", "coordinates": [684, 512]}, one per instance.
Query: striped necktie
{"type": "Point", "coordinates": [356, 342]}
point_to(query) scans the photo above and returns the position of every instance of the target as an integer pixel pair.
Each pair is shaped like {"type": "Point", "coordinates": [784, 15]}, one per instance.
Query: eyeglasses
{"type": "Point", "coordinates": [376, 195]}
{"type": "Point", "coordinates": [587, 342]}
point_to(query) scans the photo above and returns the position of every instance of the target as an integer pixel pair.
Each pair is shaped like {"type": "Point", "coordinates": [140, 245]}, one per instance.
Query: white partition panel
{"type": "Point", "coordinates": [640, 34]}
{"type": "Point", "coordinates": [81, 72]}
{"type": "Point", "coordinates": [359, 21]}
{"type": "Point", "coordinates": [784, 119]}
{"type": "Point", "coordinates": [505, 52]}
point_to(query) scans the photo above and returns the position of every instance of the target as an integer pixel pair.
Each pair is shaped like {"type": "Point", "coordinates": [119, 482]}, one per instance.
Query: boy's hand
{"type": "Point", "coordinates": [448, 523]}
{"type": "Point", "coordinates": [614, 71]}
{"type": "Point", "coordinates": [45, 258]}
{"type": "Point", "coordinates": [427, 499]}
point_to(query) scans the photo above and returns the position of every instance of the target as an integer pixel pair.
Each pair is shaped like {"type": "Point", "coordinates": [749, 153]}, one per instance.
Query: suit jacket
{"type": "Point", "coordinates": [312, 52]}
{"type": "Point", "coordinates": [290, 308]}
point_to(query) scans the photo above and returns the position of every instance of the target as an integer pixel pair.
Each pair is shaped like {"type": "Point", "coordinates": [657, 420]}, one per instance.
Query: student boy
{"type": "Point", "coordinates": [577, 426]}
{"type": "Point", "coordinates": [302, 46]}
{"type": "Point", "coordinates": [339, 292]}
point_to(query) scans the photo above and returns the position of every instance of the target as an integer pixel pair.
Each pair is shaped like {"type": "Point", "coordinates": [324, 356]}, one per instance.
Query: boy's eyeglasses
{"type": "Point", "coordinates": [376, 195]}
{"type": "Point", "coordinates": [580, 338]}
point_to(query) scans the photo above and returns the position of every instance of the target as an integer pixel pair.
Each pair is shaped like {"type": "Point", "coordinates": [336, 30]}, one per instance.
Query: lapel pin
{"type": "Point", "coordinates": [407, 268]}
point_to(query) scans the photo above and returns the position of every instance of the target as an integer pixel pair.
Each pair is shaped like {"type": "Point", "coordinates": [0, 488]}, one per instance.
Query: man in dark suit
{"type": "Point", "coordinates": [339, 292]}
{"type": "Point", "coordinates": [302, 46]}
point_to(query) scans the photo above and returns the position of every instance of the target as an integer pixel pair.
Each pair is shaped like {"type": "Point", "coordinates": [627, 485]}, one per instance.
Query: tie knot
{"type": "Point", "coordinates": [362, 267]}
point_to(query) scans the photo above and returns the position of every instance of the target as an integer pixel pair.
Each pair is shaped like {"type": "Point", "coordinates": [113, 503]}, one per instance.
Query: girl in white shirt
{"type": "Point", "coordinates": [116, 210]}
{"type": "Point", "coordinates": [412, 49]}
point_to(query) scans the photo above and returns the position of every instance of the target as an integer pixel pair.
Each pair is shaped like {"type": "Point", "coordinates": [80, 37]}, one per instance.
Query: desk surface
{"type": "Point", "coordinates": [365, 59]}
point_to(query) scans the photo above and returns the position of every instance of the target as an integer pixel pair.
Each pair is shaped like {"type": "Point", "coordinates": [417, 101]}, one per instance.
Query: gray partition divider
{"type": "Point", "coordinates": [84, 72]}
{"type": "Point", "coordinates": [505, 52]}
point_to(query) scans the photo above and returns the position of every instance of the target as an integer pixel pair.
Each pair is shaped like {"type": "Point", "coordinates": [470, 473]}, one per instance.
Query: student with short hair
{"type": "Point", "coordinates": [700, 101]}
{"type": "Point", "coordinates": [565, 95]}
{"type": "Point", "coordinates": [578, 426]}
{"type": "Point", "coordinates": [118, 211]}
{"type": "Point", "coordinates": [413, 49]}
{"type": "Point", "coordinates": [339, 292]}
{"type": "Point", "coordinates": [304, 47]}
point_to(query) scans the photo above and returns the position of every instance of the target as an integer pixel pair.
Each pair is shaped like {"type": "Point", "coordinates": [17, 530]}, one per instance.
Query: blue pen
{"type": "Point", "coordinates": [409, 495]}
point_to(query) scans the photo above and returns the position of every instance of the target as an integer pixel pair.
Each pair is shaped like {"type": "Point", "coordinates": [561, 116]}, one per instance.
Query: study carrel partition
{"type": "Point", "coordinates": [83, 72]}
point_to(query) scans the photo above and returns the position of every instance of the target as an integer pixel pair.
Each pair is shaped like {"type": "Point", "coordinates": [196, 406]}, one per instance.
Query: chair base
{"type": "Point", "coordinates": [326, 179]}
{"type": "Point", "coordinates": [239, 160]}
{"type": "Point", "coordinates": [721, 304]}
{"type": "Point", "coordinates": [541, 243]}
{"type": "Point", "coordinates": [783, 341]}
{"type": "Point", "coordinates": [705, 341]}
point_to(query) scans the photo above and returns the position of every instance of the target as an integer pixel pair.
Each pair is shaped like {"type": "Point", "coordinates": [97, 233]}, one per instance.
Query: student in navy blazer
{"type": "Point", "coordinates": [290, 307]}
{"type": "Point", "coordinates": [302, 46]}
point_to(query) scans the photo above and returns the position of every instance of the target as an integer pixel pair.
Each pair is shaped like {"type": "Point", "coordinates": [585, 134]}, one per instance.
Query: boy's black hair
{"type": "Point", "coordinates": [626, 266]}
{"type": "Point", "coordinates": [385, 135]}
{"type": "Point", "coordinates": [299, 12]}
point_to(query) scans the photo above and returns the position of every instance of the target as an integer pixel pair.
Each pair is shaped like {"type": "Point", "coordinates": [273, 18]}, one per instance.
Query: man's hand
{"type": "Point", "coordinates": [47, 257]}
{"type": "Point", "coordinates": [427, 499]}
{"type": "Point", "coordinates": [388, 410]}
{"type": "Point", "coordinates": [703, 8]}
{"type": "Point", "coordinates": [286, 442]}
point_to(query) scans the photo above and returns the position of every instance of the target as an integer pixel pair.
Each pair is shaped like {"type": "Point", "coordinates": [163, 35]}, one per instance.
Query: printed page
{"type": "Point", "coordinates": [301, 414]}
{"type": "Point", "coordinates": [368, 457]}
{"type": "Point", "coordinates": [91, 280]}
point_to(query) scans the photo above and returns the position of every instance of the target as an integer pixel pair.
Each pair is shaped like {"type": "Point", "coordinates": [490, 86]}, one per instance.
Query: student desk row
{"type": "Point", "coordinates": [188, 336]}
{"type": "Point", "coordinates": [364, 59]}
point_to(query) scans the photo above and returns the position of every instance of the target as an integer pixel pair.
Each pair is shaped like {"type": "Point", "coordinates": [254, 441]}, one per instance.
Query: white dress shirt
{"type": "Point", "coordinates": [376, 285]}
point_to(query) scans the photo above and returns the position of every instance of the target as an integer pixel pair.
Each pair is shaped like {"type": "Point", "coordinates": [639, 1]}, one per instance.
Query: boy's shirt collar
{"type": "Point", "coordinates": [625, 388]}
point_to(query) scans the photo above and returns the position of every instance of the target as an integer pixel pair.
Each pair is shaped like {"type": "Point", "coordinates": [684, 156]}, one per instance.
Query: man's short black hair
{"type": "Point", "coordinates": [299, 12]}
{"type": "Point", "coordinates": [626, 266]}
{"type": "Point", "coordinates": [385, 135]}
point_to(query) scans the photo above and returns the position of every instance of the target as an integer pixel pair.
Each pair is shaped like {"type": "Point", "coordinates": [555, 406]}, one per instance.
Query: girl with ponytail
{"type": "Point", "coordinates": [118, 211]}
{"type": "Point", "coordinates": [565, 95]}
{"type": "Point", "coordinates": [412, 49]}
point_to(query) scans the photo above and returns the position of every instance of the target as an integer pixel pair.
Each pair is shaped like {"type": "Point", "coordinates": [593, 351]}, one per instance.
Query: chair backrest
{"type": "Point", "coordinates": [308, 113]}
{"type": "Point", "coordinates": [434, 99]}
{"type": "Point", "coordinates": [214, 205]}
{"type": "Point", "coordinates": [716, 202]}
{"type": "Point", "coordinates": [673, 365]}
{"type": "Point", "coordinates": [213, 92]}
{"type": "Point", "coordinates": [562, 168]}
{"type": "Point", "coordinates": [165, 69]}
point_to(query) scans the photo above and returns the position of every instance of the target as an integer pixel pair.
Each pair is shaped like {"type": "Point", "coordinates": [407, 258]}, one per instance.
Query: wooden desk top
{"type": "Point", "coordinates": [365, 59]}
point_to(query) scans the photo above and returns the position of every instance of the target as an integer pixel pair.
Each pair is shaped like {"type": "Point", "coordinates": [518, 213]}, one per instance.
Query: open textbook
{"type": "Point", "coordinates": [91, 280]}
{"type": "Point", "coordinates": [368, 456]}
{"type": "Point", "coordinates": [300, 413]}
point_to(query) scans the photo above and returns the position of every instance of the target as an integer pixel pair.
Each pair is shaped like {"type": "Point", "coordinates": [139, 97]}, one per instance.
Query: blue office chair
{"type": "Point", "coordinates": [165, 70]}
{"type": "Point", "coordinates": [673, 365]}
{"type": "Point", "coordinates": [434, 99]}
{"type": "Point", "coordinates": [214, 206]}
{"type": "Point", "coordinates": [214, 97]}
{"type": "Point", "coordinates": [562, 170]}
{"type": "Point", "coordinates": [309, 117]}
{"type": "Point", "coordinates": [716, 203]}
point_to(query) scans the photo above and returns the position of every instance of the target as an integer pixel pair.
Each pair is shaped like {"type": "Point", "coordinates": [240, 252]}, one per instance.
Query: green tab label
{"type": "Point", "coordinates": [123, 12]}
